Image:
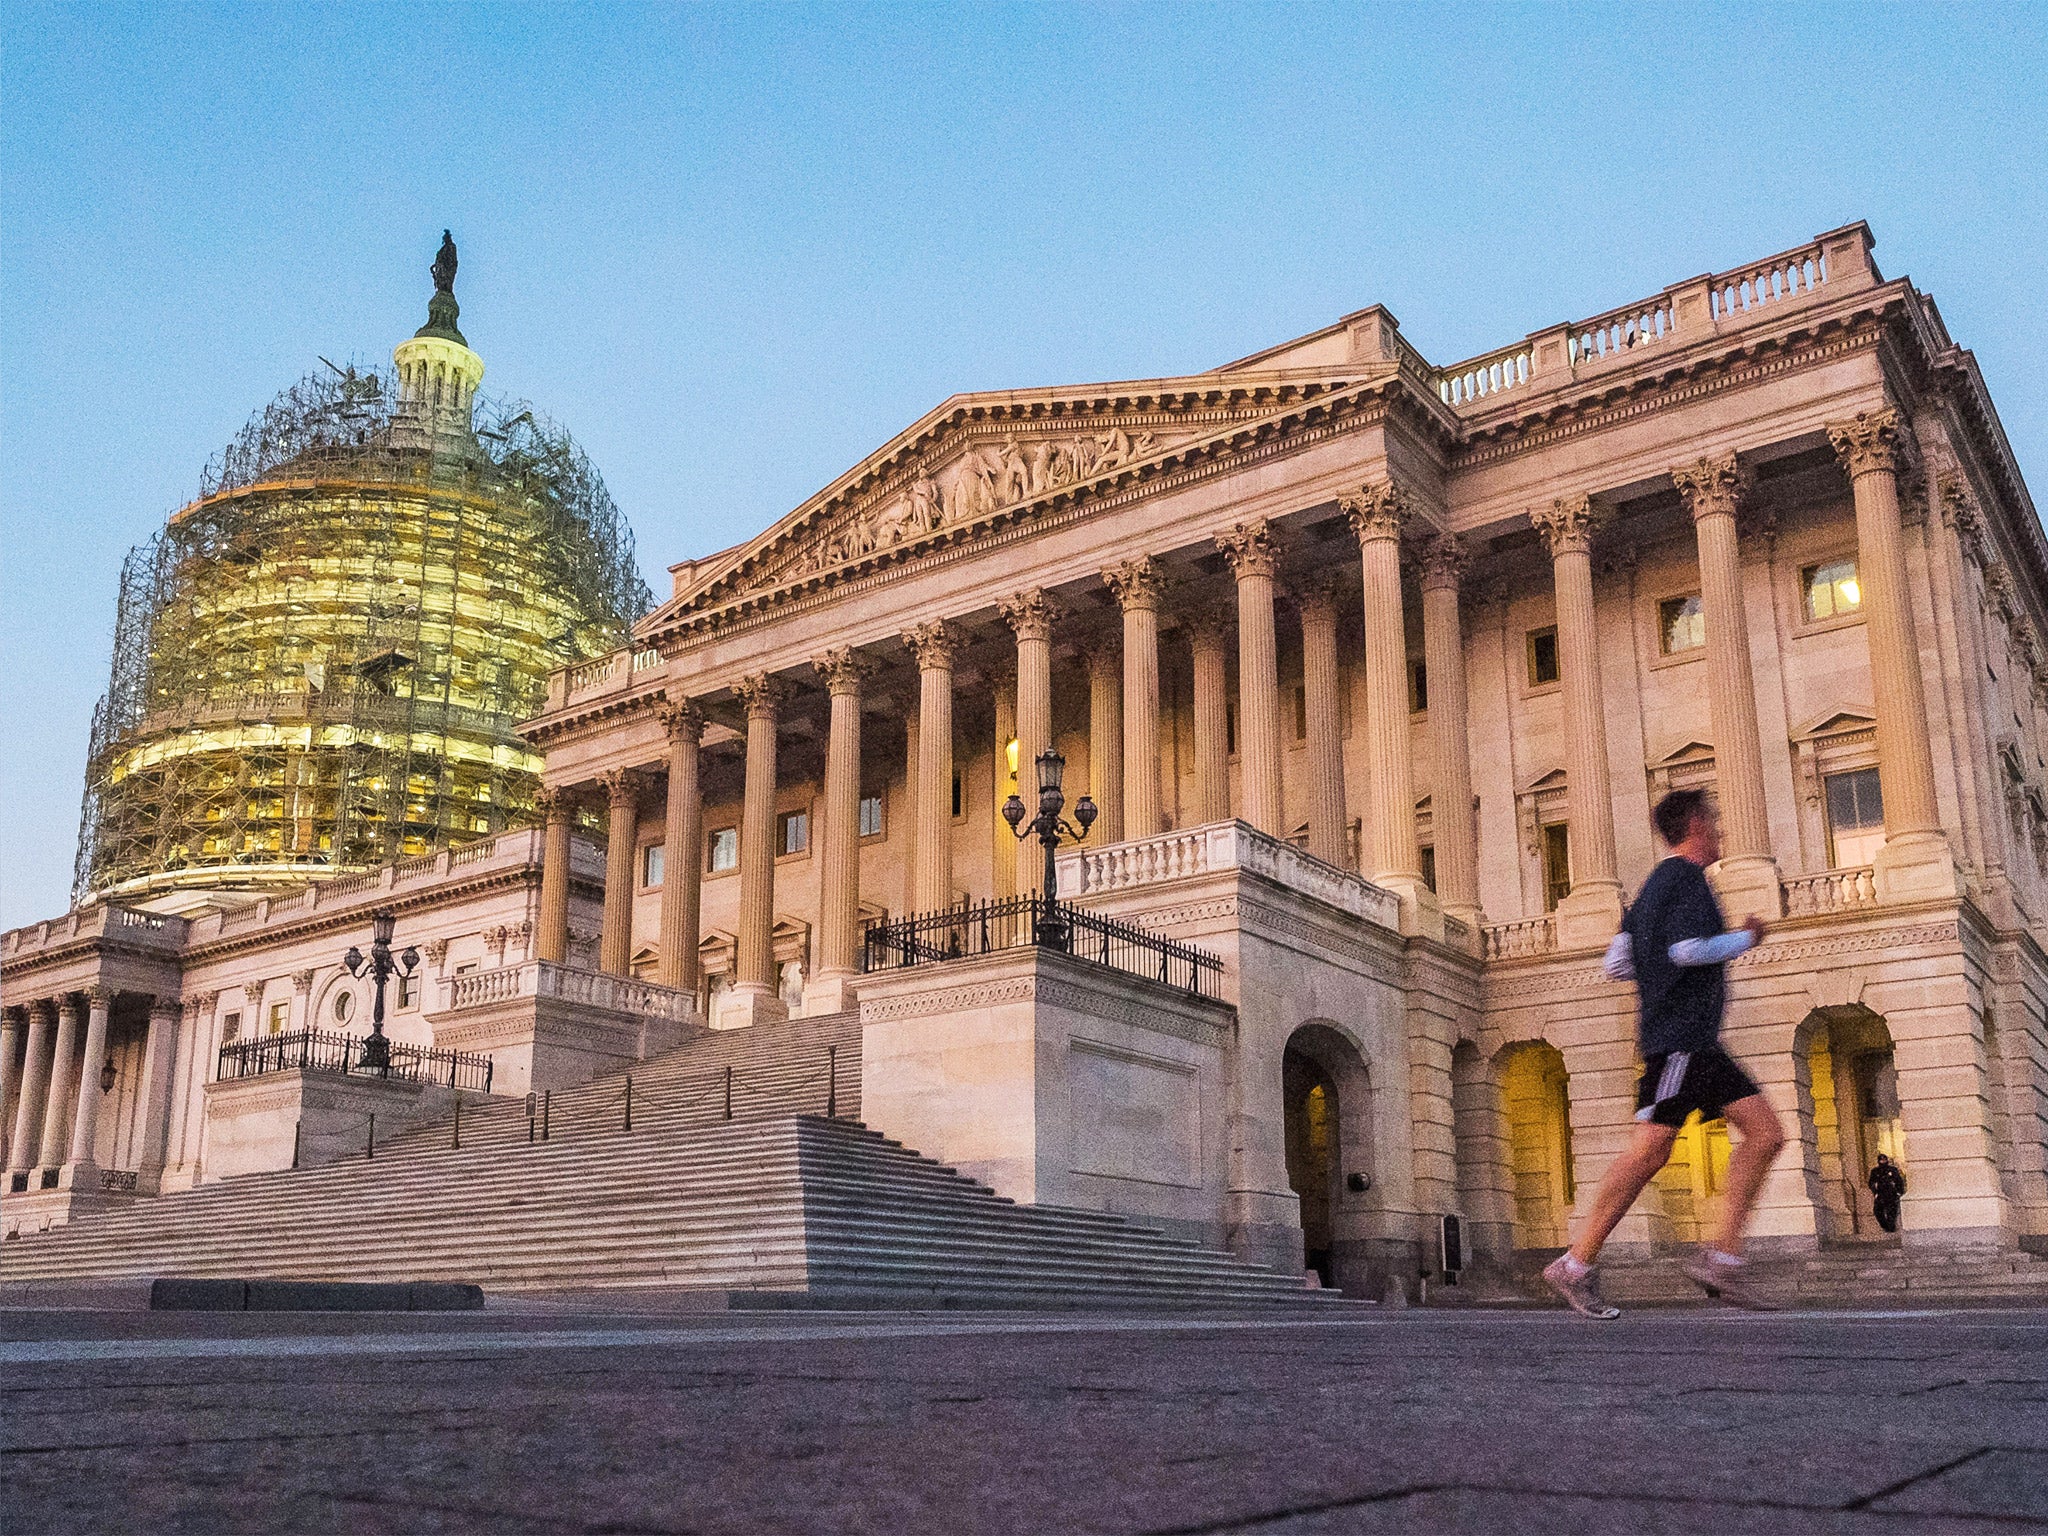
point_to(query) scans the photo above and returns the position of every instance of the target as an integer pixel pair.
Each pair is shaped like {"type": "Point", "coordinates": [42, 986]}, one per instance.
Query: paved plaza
{"type": "Point", "coordinates": [511, 1422]}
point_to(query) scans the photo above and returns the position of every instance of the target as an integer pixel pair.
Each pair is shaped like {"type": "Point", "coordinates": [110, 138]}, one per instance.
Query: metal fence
{"type": "Point", "coordinates": [322, 1050]}
{"type": "Point", "coordinates": [1017, 922]}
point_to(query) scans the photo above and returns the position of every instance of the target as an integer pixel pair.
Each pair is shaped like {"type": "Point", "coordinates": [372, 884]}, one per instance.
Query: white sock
{"type": "Point", "coordinates": [1573, 1266]}
{"type": "Point", "coordinates": [1716, 1256]}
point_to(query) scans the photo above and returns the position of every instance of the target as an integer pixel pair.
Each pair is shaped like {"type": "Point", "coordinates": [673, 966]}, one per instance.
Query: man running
{"type": "Point", "coordinates": [1672, 946]}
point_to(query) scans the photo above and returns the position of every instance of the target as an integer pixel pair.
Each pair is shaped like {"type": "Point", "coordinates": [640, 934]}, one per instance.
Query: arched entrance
{"type": "Point", "coordinates": [1537, 1089]}
{"type": "Point", "coordinates": [1853, 1106]}
{"type": "Point", "coordinates": [1326, 1098]}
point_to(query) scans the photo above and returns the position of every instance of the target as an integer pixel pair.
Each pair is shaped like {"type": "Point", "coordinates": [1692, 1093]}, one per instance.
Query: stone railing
{"type": "Point", "coordinates": [151, 930]}
{"type": "Point", "coordinates": [1623, 330]}
{"type": "Point", "coordinates": [592, 989]}
{"type": "Point", "coordinates": [1836, 890]}
{"type": "Point", "coordinates": [589, 676]}
{"type": "Point", "coordinates": [1788, 275]}
{"type": "Point", "coordinates": [1493, 374]}
{"type": "Point", "coordinates": [1520, 939]}
{"type": "Point", "coordinates": [1223, 845]}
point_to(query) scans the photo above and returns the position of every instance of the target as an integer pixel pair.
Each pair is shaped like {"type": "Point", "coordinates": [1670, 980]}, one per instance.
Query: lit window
{"type": "Point", "coordinates": [1681, 624]}
{"type": "Point", "coordinates": [1010, 752]}
{"type": "Point", "coordinates": [793, 832]}
{"type": "Point", "coordinates": [1418, 687]}
{"type": "Point", "coordinates": [722, 850]}
{"type": "Point", "coordinates": [280, 1017]}
{"type": "Point", "coordinates": [652, 862]}
{"type": "Point", "coordinates": [1543, 667]}
{"type": "Point", "coordinates": [344, 1007]}
{"type": "Point", "coordinates": [871, 816]}
{"type": "Point", "coordinates": [1831, 590]}
{"type": "Point", "coordinates": [1557, 864]}
{"type": "Point", "coordinates": [1855, 818]}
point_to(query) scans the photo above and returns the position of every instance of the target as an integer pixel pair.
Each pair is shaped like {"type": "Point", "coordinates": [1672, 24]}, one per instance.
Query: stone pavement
{"type": "Point", "coordinates": [515, 1422]}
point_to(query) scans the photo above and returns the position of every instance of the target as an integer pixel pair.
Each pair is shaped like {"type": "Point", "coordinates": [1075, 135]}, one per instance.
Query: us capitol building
{"type": "Point", "coordinates": [1370, 670]}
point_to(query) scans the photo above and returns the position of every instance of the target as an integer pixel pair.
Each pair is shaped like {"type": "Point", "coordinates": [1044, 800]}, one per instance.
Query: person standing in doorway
{"type": "Point", "coordinates": [1672, 945]}
{"type": "Point", "coordinates": [1887, 1184]}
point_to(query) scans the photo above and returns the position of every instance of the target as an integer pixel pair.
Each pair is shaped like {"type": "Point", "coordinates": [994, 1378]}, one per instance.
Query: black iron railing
{"type": "Point", "coordinates": [981, 928]}
{"type": "Point", "coordinates": [322, 1050]}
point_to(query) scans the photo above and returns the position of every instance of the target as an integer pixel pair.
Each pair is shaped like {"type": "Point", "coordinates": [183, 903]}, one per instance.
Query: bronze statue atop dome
{"type": "Point", "coordinates": [444, 264]}
{"type": "Point", "coordinates": [442, 310]}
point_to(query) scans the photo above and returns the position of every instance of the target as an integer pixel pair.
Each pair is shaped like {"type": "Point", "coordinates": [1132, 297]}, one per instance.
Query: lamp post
{"type": "Point", "coordinates": [1049, 828]}
{"type": "Point", "coordinates": [381, 968]}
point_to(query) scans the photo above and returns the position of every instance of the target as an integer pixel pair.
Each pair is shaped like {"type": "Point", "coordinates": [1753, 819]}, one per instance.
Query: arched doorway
{"type": "Point", "coordinates": [1853, 1105]}
{"type": "Point", "coordinates": [1537, 1089]}
{"type": "Point", "coordinates": [1326, 1099]}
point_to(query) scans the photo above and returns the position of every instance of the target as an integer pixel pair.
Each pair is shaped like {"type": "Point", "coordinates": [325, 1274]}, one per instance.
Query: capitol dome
{"type": "Point", "coordinates": [320, 664]}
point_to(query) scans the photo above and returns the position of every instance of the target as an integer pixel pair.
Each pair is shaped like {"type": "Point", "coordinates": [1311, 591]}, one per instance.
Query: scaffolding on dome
{"type": "Point", "coordinates": [319, 664]}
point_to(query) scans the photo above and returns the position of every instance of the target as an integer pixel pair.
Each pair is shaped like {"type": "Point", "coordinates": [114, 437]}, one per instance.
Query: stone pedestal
{"type": "Point", "coordinates": [1589, 916]}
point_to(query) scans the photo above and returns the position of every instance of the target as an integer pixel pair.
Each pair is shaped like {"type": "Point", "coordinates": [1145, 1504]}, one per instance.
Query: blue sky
{"type": "Point", "coordinates": [734, 249]}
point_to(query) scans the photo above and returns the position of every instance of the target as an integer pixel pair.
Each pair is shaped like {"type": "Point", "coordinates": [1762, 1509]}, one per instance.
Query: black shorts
{"type": "Point", "coordinates": [1676, 1084]}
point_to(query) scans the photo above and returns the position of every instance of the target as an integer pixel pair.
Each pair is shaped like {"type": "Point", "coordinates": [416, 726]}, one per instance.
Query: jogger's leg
{"type": "Point", "coordinates": [1649, 1148]}
{"type": "Point", "coordinates": [1761, 1137]}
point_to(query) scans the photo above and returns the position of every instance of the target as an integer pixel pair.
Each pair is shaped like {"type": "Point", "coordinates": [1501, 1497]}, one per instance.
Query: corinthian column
{"type": "Point", "coordinates": [1002, 844]}
{"type": "Point", "coordinates": [682, 860]}
{"type": "Point", "coordinates": [1136, 584]}
{"type": "Point", "coordinates": [1324, 708]}
{"type": "Point", "coordinates": [558, 813]}
{"type": "Point", "coordinates": [26, 1141]}
{"type": "Point", "coordinates": [933, 644]}
{"type": "Point", "coordinates": [1915, 862]}
{"type": "Point", "coordinates": [1208, 637]}
{"type": "Point", "coordinates": [13, 1025]}
{"type": "Point", "coordinates": [622, 792]}
{"type": "Point", "coordinates": [756, 998]}
{"type": "Point", "coordinates": [1250, 549]}
{"type": "Point", "coordinates": [832, 989]}
{"type": "Point", "coordinates": [1450, 751]}
{"type": "Point", "coordinates": [1591, 914]}
{"type": "Point", "coordinates": [63, 1081]}
{"type": "Point", "coordinates": [1031, 615]}
{"type": "Point", "coordinates": [159, 1058]}
{"type": "Point", "coordinates": [85, 1118]}
{"type": "Point", "coordinates": [1714, 489]}
{"type": "Point", "coordinates": [1106, 742]}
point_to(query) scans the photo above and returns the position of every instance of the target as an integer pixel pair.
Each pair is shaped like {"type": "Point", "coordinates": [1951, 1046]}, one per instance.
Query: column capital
{"type": "Point", "coordinates": [1031, 614]}
{"type": "Point", "coordinates": [162, 1007]}
{"type": "Point", "coordinates": [763, 694]}
{"type": "Point", "coordinates": [1136, 583]}
{"type": "Point", "coordinates": [1206, 622]}
{"type": "Point", "coordinates": [681, 718]}
{"type": "Point", "coordinates": [1252, 548]}
{"type": "Point", "coordinates": [1960, 512]}
{"type": "Point", "coordinates": [1869, 441]}
{"type": "Point", "coordinates": [622, 786]}
{"type": "Point", "coordinates": [1443, 563]}
{"type": "Point", "coordinates": [1567, 524]}
{"type": "Point", "coordinates": [303, 980]}
{"type": "Point", "coordinates": [1316, 595]}
{"type": "Point", "coordinates": [198, 1004]}
{"type": "Point", "coordinates": [934, 643]}
{"type": "Point", "coordinates": [1104, 658]}
{"type": "Point", "coordinates": [98, 995]}
{"type": "Point", "coordinates": [1717, 486]}
{"type": "Point", "coordinates": [1378, 511]}
{"type": "Point", "coordinates": [43, 1008]}
{"type": "Point", "coordinates": [844, 671]}
{"type": "Point", "coordinates": [555, 803]}
{"type": "Point", "coordinates": [14, 1016]}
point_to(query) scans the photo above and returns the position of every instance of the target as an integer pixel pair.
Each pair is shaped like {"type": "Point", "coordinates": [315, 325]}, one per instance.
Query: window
{"type": "Point", "coordinates": [1831, 591]}
{"type": "Point", "coordinates": [409, 990]}
{"type": "Point", "coordinates": [1855, 818]}
{"type": "Point", "coordinates": [1429, 865]}
{"type": "Point", "coordinates": [1010, 757]}
{"type": "Point", "coordinates": [280, 1017]}
{"type": "Point", "coordinates": [344, 1007]}
{"type": "Point", "coordinates": [467, 967]}
{"type": "Point", "coordinates": [722, 850]}
{"type": "Point", "coordinates": [870, 815]}
{"type": "Point", "coordinates": [959, 796]}
{"type": "Point", "coordinates": [1543, 668]}
{"type": "Point", "coordinates": [653, 860]}
{"type": "Point", "coordinates": [230, 1028]}
{"type": "Point", "coordinates": [1418, 687]}
{"type": "Point", "coordinates": [1557, 864]}
{"type": "Point", "coordinates": [1301, 712]}
{"type": "Point", "coordinates": [792, 832]}
{"type": "Point", "coordinates": [1681, 624]}
{"type": "Point", "coordinates": [1230, 729]}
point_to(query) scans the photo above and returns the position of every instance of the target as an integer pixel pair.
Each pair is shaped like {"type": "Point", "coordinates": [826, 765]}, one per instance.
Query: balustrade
{"type": "Point", "coordinates": [1770, 281]}
{"type": "Point", "coordinates": [1519, 940]}
{"type": "Point", "coordinates": [1493, 374]}
{"type": "Point", "coordinates": [1835, 890]}
{"type": "Point", "coordinates": [1623, 330]}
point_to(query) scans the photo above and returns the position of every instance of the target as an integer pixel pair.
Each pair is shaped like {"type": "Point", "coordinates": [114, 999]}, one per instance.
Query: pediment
{"type": "Point", "coordinates": [1836, 722]}
{"type": "Point", "coordinates": [1691, 751]}
{"type": "Point", "coordinates": [983, 462]}
{"type": "Point", "coordinates": [1553, 780]}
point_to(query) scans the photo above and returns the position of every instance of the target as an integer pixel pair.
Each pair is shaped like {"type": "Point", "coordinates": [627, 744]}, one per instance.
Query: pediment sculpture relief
{"type": "Point", "coordinates": [987, 478]}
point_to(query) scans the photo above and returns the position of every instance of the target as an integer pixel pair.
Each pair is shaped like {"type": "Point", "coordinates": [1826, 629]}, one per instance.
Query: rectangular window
{"type": "Point", "coordinates": [792, 832]}
{"type": "Point", "coordinates": [468, 967]}
{"type": "Point", "coordinates": [1301, 712]}
{"type": "Point", "coordinates": [1418, 687]}
{"type": "Point", "coordinates": [230, 1028]}
{"type": "Point", "coordinates": [1557, 864]}
{"type": "Point", "coordinates": [1831, 591]}
{"type": "Point", "coordinates": [653, 859]}
{"type": "Point", "coordinates": [871, 816]}
{"type": "Point", "coordinates": [1543, 668]}
{"type": "Point", "coordinates": [1855, 818]}
{"type": "Point", "coordinates": [1681, 624]}
{"type": "Point", "coordinates": [722, 850]}
{"type": "Point", "coordinates": [280, 1017]}
{"type": "Point", "coordinates": [959, 796]}
{"type": "Point", "coordinates": [1429, 865]}
{"type": "Point", "coordinates": [409, 991]}
{"type": "Point", "coordinates": [1230, 729]}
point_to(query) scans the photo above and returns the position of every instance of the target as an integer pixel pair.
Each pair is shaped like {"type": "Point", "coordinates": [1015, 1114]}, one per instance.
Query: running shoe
{"type": "Point", "coordinates": [1580, 1292]}
{"type": "Point", "coordinates": [1724, 1281]}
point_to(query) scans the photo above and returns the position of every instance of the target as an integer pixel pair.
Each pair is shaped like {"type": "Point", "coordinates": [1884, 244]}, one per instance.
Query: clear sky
{"type": "Point", "coordinates": [733, 250]}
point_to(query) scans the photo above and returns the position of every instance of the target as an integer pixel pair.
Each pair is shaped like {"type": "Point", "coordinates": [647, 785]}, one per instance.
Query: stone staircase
{"type": "Point", "coordinates": [770, 1207]}
{"type": "Point", "coordinates": [1864, 1275]}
